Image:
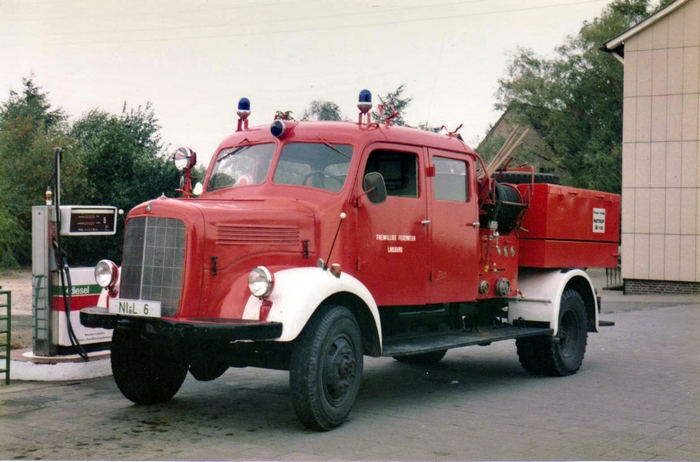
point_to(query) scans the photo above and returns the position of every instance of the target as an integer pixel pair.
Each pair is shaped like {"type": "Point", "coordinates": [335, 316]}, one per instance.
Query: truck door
{"type": "Point", "coordinates": [392, 237]}
{"type": "Point", "coordinates": [454, 229]}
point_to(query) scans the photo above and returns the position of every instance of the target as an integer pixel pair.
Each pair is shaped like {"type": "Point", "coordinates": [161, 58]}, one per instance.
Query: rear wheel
{"type": "Point", "coordinates": [145, 372]}
{"type": "Point", "coordinates": [433, 357]}
{"type": "Point", "coordinates": [326, 368]}
{"type": "Point", "coordinates": [563, 354]}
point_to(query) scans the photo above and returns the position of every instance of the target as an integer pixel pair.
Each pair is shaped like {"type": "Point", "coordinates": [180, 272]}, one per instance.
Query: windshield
{"type": "Point", "coordinates": [318, 165]}
{"type": "Point", "coordinates": [241, 166]}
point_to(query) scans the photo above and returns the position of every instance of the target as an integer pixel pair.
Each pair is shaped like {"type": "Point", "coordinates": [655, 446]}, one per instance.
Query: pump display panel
{"type": "Point", "coordinates": [88, 220]}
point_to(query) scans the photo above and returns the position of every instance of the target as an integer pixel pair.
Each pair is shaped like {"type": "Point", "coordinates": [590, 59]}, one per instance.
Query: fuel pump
{"type": "Point", "coordinates": [59, 292]}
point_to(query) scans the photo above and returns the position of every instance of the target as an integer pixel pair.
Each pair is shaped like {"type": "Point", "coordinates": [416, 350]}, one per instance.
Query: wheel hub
{"type": "Point", "coordinates": [339, 371]}
{"type": "Point", "coordinates": [568, 334]}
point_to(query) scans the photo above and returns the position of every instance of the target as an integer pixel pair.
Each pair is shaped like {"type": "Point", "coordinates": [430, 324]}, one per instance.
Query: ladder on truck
{"type": "Point", "coordinates": [5, 332]}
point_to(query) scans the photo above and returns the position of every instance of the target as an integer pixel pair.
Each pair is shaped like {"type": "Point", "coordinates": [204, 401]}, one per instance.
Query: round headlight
{"type": "Point", "coordinates": [184, 159]}
{"type": "Point", "coordinates": [261, 282]}
{"type": "Point", "coordinates": [106, 274]}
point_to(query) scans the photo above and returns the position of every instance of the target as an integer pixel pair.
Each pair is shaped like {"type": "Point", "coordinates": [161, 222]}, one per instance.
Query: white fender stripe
{"type": "Point", "coordinates": [542, 291]}
{"type": "Point", "coordinates": [299, 291]}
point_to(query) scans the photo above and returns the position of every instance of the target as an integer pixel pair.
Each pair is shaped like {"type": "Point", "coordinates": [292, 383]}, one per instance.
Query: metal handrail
{"type": "Point", "coordinates": [6, 318]}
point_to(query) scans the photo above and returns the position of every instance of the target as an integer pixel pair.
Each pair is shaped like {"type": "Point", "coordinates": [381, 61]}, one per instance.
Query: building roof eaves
{"type": "Point", "coordinates": [618, 41]}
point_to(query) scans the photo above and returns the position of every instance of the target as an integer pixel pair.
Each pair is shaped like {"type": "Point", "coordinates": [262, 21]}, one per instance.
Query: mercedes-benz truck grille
{"type": "Point", "coordinates": [152, 265]}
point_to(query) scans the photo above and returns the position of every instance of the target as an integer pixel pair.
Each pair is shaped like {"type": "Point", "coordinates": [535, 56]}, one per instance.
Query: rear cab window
{"type": "Point", "coordinates": [451, 181]}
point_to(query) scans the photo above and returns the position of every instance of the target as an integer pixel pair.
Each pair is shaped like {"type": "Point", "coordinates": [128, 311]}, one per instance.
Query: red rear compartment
{"type": "Point", "coordinates": [569, 228]}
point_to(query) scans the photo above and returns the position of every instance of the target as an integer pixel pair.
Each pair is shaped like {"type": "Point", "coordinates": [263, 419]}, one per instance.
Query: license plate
{"type": "Point", "coordinates": [124, 306]}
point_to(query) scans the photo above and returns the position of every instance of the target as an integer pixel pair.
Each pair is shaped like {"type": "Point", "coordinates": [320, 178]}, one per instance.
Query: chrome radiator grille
{"type": "Point", "coordinates": [153, 260]}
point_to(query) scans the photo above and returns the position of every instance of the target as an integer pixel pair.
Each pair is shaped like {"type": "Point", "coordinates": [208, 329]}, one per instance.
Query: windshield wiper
{"type": "Point", "coordinates": [236, 150]}
{"type": "Point", "coordinates": [332, 147]}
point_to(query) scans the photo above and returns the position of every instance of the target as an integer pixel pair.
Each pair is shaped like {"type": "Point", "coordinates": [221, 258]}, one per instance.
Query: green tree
{"type": "Point", "coordinates": [10, 235]}
{"type": "Point", "coordinates": [107, 160]}
{"type": "Point", "coordinates": [31, 105]}
{"type": "Point", "coordinates": [575, 99]}
{"type": "Point", "coordinates": [395, 100]}
{"type": "Point", "coordinates": [29, 130]}
{"type": "Point", "coordinates": [125, 165]}
{"type": "Point", "coordinates": [322, 110]}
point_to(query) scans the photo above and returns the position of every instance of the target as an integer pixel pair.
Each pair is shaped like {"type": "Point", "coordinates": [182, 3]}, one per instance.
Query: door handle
{"type": "Point", "coordinates": [425, 222]}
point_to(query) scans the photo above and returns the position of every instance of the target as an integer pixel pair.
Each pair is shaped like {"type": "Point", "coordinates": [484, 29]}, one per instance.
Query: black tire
{"type": "Point", "coordinates": [433, 357]}
{"type": "Point", "coordinates": [530, 351]}
{"type": "Point", "coordinates": [326, 368]}
{"type": "Point", "coordinates": [564, 356]}
{"type": "Point", "coordinates": [526, 177]}
{"type": "Point", "coordinates": [145, 372]}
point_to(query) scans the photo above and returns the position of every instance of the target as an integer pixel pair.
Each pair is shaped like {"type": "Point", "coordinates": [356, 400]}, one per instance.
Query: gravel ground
{"type": "Point", "coordinates": [19, 283]}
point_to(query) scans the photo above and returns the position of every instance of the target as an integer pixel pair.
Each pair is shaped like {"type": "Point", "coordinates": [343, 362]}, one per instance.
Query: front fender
{"type": "Point", "coordinates": [542, 291]}
{"type": "Point", "coordinates": [299, 291]}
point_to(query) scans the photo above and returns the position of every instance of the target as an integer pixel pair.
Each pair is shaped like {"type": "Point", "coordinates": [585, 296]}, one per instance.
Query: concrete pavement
{"type": "Point", "coordinates": [637, 397]}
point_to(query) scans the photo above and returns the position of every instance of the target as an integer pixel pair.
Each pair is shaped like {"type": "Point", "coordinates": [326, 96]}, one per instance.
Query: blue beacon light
{"type": "Point", "coordinates": [243, 113]}
{"type": "Point", "coordinates": [243, 108]}
{"type": "Point", "coordinates": [364, 104]}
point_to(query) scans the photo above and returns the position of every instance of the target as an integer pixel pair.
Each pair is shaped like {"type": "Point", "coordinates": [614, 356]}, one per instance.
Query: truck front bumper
{"type": "Point", "coordinates": [184, 328]}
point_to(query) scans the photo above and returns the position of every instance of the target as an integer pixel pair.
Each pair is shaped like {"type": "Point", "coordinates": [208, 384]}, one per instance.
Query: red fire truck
{"type": "Point", "coordinates": [314, 244]}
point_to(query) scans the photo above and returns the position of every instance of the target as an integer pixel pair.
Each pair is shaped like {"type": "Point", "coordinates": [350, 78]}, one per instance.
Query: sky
{"type": "Point", "coordinates": [193, 60]}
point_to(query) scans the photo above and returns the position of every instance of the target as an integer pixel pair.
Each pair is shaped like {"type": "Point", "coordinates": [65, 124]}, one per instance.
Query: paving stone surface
{"type": "Point", "coordinates": [637, 397]}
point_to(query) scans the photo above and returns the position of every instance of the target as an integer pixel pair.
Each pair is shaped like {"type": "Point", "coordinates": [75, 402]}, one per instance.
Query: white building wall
{"type": "Point", "coordinates": [660, 162]}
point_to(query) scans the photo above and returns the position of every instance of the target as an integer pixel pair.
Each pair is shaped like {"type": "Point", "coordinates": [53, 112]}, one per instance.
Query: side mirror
{"type": "Point", "coordinates": [374, 187]}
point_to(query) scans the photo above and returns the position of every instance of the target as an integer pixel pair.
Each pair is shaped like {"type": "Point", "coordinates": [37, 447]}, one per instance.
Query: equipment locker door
{"type": "Point", "coordinates": [392, 237]}
{"type": "Point", "coordinates": [454, 228]}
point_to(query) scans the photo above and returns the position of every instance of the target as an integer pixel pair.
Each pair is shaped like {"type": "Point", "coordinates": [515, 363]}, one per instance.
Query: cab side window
{"type": "Point", "coordinates": [399, 169]}
{"type": "Point", "coordinates": [450, 181]}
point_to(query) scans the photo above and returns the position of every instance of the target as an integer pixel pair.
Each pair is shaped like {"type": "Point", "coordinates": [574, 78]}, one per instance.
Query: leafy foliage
{"type": "Point", "coordinates": [122, 157]}
{"type": "Point", "coordinates": [10, 234]}
{"type": "Point", "coordinates": [322, 110]}
{"type": "Point", "coordinates": [32, 106]}
{"type": "Point", "coordinates": [393, 100]}
{"type": "Point", "coordinates": [106, 160]}
{"type": "Point", "coordinates": [574, 100]}
{"type": "Point", "coordinates": [29, 130]}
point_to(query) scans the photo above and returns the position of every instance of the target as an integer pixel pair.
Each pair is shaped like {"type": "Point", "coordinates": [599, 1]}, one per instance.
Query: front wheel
{"type": "Point", "coordinates": [326, 368]}
{"type": "Point", "coordinates": [145, 372]}
{"type": "Point", "coordinates": [563, 354]}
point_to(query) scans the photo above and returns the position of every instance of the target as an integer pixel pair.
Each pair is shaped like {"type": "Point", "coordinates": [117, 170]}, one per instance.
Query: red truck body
{"type": "Point", "coordinates": [554, 232]}
{"type": "Point", "coordinates": [320, 242]}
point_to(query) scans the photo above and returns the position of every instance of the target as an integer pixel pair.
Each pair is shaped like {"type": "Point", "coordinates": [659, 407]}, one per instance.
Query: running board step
{"type": "Point", "coordinates": [606, 323]}
{"type": "Point", "coordinates": [405, 345]}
